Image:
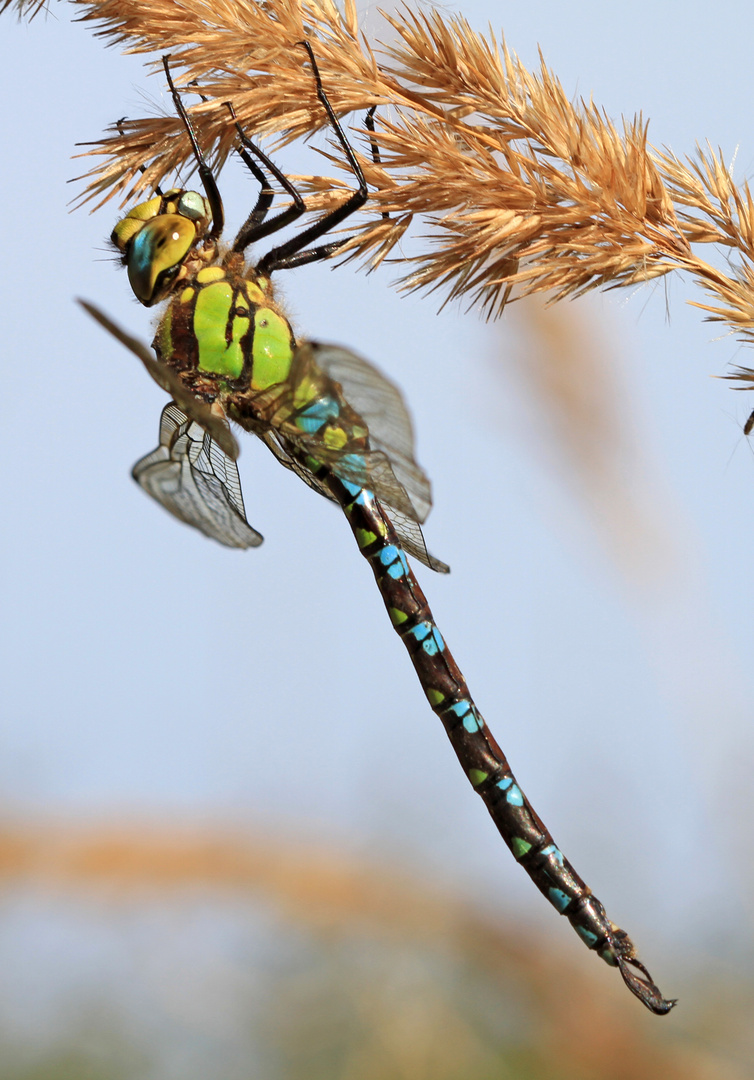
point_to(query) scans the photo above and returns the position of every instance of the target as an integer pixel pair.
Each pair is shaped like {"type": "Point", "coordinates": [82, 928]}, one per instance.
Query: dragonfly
{"type": "Point", "coordinates": [225, 352]}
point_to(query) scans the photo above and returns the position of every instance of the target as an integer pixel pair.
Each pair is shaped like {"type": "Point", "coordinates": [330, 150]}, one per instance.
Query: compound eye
{"type": "Point", "coordinates": [155, 255]}
{"type": "Point", "coordinates": [133, 222]}
{"type": "Point", "coordinates": [193, 206]}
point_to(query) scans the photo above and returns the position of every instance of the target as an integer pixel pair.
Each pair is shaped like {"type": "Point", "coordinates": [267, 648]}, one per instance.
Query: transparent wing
{"type": "Point", "coordinates": [380, 404]}
{"type": "Point", "coordinates": [386, 467]}
{"type": "Point", "coordinates": [193, 478]}
{"type": "Point", "coordinates": [376, 472]}
{"type": "Point", "coordinates": [275, 443]}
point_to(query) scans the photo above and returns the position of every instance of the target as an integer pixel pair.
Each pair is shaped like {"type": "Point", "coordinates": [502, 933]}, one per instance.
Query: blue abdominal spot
{"type": "Point", "coordinates": [316, 415]}
{"type": "Point", "coordinates": [429, 636]}
{"type": "Point", "coordinates": [394, 561]}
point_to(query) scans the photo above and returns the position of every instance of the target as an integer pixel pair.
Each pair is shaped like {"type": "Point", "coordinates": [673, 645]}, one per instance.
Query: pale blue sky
{"type": "Point", "coordinates": [146, 670]}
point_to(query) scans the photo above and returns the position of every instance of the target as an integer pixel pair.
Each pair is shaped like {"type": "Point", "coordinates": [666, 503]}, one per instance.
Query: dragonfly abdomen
{"type": "Point", "coordinates": [480, 756]}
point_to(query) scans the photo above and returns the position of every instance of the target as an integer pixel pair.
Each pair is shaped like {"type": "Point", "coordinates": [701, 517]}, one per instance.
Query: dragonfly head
{"type": "Point", "coordinates": [155, 238]}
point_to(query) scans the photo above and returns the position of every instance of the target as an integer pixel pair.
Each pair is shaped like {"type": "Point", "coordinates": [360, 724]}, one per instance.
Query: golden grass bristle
{"type": "Point", "coordinates": [24, 8]}
{"type": "Point", "coordinates": [525, 189]}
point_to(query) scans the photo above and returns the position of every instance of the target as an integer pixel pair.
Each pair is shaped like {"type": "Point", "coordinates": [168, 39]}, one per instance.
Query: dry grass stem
{"type": "Point", "coordinates": [525, 190]}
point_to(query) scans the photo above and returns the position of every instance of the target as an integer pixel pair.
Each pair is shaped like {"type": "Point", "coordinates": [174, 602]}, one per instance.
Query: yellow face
{"type": "Point", "coordinates": [156, 236]}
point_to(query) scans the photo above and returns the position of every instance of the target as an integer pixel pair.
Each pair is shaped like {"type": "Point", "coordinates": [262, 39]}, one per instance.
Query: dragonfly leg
{"type": "Point", "coordinates": [208, 180]}
{"type": "Point", "coordinates": [256, 227]}
{"type": "Point", "coordinates": [290, 254]}
{"type": "Point", "coordinates": [369, 125]}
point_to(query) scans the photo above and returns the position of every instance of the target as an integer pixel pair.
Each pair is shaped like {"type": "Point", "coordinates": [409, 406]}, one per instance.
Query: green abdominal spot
{"type": "Point", "coordinates": [213, 316]}
{"type": "Point", "coordinates": [520, 847]}
{"type": "Point", "coordinates": [365, 537]}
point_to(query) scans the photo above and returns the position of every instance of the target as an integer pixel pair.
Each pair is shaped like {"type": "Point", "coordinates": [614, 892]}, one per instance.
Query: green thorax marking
{"type": "Point", "coordinates": [224, 322]}
{"type": "Point", "coordinates": [272, 350]}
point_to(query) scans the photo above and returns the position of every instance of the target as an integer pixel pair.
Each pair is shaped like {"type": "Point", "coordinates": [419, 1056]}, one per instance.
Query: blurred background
{"type": "Point", "coordinates": [234, 841]}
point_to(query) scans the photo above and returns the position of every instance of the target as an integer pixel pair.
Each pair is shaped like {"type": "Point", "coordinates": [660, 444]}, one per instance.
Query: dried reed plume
{"type": "Point", "coordinates": [526, 190]}
{"type": "Point", "coordinates": [324, 893]}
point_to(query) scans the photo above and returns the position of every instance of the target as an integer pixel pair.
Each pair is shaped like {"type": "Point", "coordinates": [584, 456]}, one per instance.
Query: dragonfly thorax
{"type": "Point", "coordinates": [157, 236]}
{"type": "Point", "coordinates": [223, 331]}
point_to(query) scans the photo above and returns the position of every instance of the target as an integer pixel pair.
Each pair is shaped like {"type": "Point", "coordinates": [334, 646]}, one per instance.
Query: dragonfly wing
{"type": "Point", "coordinates": [380, 404]}
{"type": "Point", "coordinates": [384, 465]}
{"type": "Point", "coordinates": [412, 539]}
{"type": "Point", "coordinates": [165, 377]}
{"type": "Point", "coordinates": [191, 476]}
{"type": "Point", "coordinates": [272, 440]}
{"type": "Point", "coordinates": [376, 472]}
